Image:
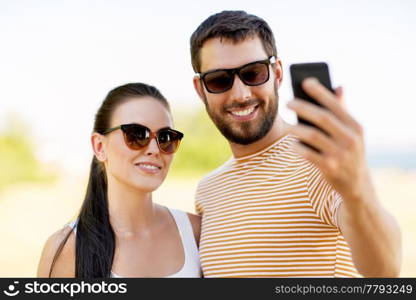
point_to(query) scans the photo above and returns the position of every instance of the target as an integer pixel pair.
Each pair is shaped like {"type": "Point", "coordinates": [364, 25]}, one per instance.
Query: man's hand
{"type": "Point", "coordinates": [371, 232]}
{"type": "Point", "coordinates": [342, 156]}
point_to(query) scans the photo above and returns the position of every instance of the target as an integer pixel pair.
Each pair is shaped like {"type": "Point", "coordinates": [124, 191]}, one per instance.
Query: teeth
{"type": "Point", "coordinates": [242, 113]}
{"type": "Point", "coordinates": [150, 167]}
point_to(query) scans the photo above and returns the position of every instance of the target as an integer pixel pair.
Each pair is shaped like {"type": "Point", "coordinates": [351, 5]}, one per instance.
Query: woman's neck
{"type": "Point", "coordinates": [132, 211]}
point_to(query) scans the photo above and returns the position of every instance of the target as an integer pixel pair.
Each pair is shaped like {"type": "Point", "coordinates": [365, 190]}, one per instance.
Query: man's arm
{"type": "Point", "coordinates": [372, 234]}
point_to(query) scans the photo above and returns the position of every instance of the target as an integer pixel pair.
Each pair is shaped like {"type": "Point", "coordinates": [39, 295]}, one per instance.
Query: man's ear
{"type": "Point", "coordinates": [98, 146]}
{"type": "Point", "coordinates": [278, 71]}
{"type": "Point", "coordinates": [199, 88]}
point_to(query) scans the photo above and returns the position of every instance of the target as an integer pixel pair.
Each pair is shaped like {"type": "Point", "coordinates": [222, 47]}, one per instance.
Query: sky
{"type": "Point", "coordinates": [58, 60]}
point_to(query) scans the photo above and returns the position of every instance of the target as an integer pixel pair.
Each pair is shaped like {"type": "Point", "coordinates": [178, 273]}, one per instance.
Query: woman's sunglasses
{"type": "Point", "coordinates": [138, 136]}
{"type": "Point", "coordinates": [252, 74]}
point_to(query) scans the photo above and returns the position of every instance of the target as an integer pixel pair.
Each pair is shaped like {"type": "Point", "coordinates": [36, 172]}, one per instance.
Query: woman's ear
{"type": "Point", "coordinates": [199, 88]}
{"type": "Point", "coordinates": [98, 146]}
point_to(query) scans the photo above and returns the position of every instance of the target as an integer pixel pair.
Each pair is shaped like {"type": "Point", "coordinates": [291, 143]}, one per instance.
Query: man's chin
{"type": "Point", "coordinates": [242, 139]}
{"type": "Point", "coordinates": [242, 132]}
{"type": "Point", "coordinates": [247, 133]}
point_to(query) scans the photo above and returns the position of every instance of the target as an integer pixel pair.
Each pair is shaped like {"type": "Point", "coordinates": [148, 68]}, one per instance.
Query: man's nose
{"type": "Point", "coordinates": [240, 92]}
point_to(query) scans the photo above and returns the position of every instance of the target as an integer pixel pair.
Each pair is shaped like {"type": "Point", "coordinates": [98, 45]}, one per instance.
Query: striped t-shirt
{"type": "Point", "coordinates": [271, 214]}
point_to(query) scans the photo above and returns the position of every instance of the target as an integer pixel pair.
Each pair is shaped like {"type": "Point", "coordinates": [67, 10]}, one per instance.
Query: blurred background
{"type": "Point", "coordinates": [58, 60]}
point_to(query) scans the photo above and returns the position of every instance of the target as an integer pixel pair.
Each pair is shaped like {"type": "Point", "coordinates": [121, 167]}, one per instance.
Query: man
{"type": "Point", "coordinates": [277, 207]}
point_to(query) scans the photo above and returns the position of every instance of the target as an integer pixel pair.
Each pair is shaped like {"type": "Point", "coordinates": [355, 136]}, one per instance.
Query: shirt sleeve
{"type": "Point", "coordinates": [325, 200]}
{"type": "Point", "coordinates": [198, 203]}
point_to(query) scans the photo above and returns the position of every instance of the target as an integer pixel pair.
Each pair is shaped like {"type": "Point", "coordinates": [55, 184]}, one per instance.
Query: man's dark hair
{"type": "Point", "coordinates": [232, 25]}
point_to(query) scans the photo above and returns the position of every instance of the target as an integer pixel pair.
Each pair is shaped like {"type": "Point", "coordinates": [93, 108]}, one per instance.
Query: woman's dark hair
{"type": "Point", "coordinates": [234, 25]}
{"type": "Point", "coordinates": [95, 241]}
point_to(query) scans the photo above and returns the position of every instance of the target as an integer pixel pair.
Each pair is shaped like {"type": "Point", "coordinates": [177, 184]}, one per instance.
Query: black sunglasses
{"type": "Point", "coordinates": [252, 74]}
{"type": "Point", "coordinates": [138, 136]}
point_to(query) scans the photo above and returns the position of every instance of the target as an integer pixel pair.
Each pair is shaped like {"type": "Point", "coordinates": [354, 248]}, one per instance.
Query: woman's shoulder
{"type": "Point", "coordinates": [195, 221]}
{"type": "Point", "coordinates": [196, 225]}
{"type": "Point", "coordinates": [62, 240]}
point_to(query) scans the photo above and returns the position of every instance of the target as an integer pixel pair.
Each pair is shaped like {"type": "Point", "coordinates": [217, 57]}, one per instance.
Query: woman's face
{"type": "Point", "coordinates": [143, 169]}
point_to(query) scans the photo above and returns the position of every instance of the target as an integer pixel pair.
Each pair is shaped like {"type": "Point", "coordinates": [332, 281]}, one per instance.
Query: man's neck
{"type": "Point", "coordinates": [277, 131]}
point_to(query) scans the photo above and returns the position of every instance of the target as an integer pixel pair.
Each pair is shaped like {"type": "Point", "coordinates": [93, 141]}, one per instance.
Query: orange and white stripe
{"type": "Point", "coordinates": [271, 214]}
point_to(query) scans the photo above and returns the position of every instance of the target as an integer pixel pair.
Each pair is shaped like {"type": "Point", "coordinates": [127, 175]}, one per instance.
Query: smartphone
{"type": "Point", "coordinates": [299, 72]}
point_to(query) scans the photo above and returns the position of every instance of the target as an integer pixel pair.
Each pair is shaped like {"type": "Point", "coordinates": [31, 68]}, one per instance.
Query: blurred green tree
{"type": "Point", "coordinates": [202, 149]}
{"type": "Point", "coordinates": [17, 158]}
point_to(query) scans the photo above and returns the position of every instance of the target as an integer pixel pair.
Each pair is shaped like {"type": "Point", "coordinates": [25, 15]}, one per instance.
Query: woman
{"type": "Point", "coordinates": [120, 231]}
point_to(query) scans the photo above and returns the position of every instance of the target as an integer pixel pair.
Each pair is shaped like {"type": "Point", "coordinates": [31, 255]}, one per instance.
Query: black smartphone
{"type": "Point", "coordinates": [299, 72]}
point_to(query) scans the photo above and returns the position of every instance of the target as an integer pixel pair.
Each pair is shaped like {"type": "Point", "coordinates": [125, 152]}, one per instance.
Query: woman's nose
{"type": "Point", "coordinates": [152, 147]}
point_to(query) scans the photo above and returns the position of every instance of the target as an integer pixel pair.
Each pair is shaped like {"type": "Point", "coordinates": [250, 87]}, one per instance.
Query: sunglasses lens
{"type": "Point", "coordinates": [255, 74]}
{"type": "Point", "coordinates": [169, 141]}
{"type": "Point", "coordinates": [218, 82]}
{"type": "Point", "coordinates": [136, 136]}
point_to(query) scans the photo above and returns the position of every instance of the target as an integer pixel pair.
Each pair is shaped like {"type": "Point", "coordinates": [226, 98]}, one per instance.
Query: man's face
{"type": "Point", "coordinates": [244, 114]}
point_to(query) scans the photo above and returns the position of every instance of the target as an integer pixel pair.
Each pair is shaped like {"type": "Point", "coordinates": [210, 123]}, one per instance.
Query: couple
{"type": "Point", "coordinates": [276, 209]}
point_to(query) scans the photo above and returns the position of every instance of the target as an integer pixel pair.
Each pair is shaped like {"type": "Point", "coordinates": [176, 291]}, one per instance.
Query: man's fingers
{"type": "Point", "coordinates": [320, 117]}
{"type": "Point", "coordinates": [339, 93]}
{"type": "Point", "coordinates": [314, 137]}
{"type": "Point", "coordinates": [308, 154]}
{"type": "Point", "coordinates": [329, 100]}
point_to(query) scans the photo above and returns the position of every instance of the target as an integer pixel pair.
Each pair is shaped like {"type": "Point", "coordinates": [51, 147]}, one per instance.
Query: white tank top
{"type": "Point", "coordinates": [192, 265]}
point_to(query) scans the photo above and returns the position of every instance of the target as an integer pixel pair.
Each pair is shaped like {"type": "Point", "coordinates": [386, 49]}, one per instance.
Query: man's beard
{"type": "Point", "coordinates": [246, 133]}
